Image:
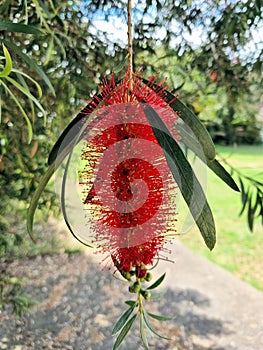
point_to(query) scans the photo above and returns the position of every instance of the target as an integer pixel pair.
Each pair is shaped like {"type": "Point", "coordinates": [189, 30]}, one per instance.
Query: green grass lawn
{"type": "Point", "coordinates": [237, 249]}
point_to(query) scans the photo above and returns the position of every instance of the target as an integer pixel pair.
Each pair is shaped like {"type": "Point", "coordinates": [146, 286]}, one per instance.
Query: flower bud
{"type": "Point", "coordinates": [146, 294]}
{"type": "Point", "coordinates": [148, 277]}
{"type": "Point", "coordinates": [127, 275]}
{"type": "Point", "coordinates": [131, 289]}
{"type": "Point", "coordinates": [140, 272]}
{"type": "Point", "coordinates": [137, 287]}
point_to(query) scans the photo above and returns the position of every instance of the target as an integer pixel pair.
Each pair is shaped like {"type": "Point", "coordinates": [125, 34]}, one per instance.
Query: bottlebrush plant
{"type": "Point", "coordinates": [128, 142]}
{"type": "Point", "coordinates": [132, 162]}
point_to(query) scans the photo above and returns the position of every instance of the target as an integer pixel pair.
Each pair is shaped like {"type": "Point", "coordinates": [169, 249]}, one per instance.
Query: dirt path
{"type": "Point", "coordinates": [79, 303]}
{"type": "Point", "coordinates": [218, 310]}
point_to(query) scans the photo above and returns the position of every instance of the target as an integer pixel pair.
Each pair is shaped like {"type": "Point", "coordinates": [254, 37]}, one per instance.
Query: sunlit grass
{"type": "Point", "coordinates": [237, 249]}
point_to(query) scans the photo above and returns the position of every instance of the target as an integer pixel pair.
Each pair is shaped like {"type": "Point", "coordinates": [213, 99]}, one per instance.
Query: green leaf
{"type": "Point", "coordinates": [250, 214]}
{"type": "Point", "coordinates": [221, 172]}
{"type": "Point", "coordinates": [29, 95]}
{"type": "Point", "coordinates": [159, 317]}
{"type": "Point", "coordinates": [4, 6]}
{"type": "Point", "coordinates": [62, 151]}
{"type": "Point", "coordinates": [243, 192]}
{"type": "Point", "coordinates": [43, 183]}
{"type": "Point", "coordinates": [38, 8]}
{"type": "Point", "coordinates": [190, 142]}
{"type": "Point", "coordinates": [244, 196]}
{"type": "Point", "coordinates": [19, 28]}
{"type": "Point", "coordinates": [33, 204]}
{"type": "Point", "coordinates": [1, 91]}
{"type": "Point", "coordinates": [192, 121]}
{"type": "Point", "coordinates": [72, 132]}
{"type": "Point", "coordinates": [62, 48]}
{"type": "Point", "coordinates": [8, 64]}
{"type": "Point", "coordinates": [195, 125]}
{"type": "Point", "coordinates": [149, 326]}
{"type": "Point", "coordinates": [29, 125]}
{"type": "Point", "coordinates": [157, 283]}
{"type": "Point", "coordinates": [122, 320]}
{"type": "Point", "coordinates": [185, 178]}
{"type": "Point", "coordinates": [124, 332]}
{"type": "Point", "coordinates": [259, 202]}
{"type": "Point", "coordinates": [39, 90]}
{"type": "Point", "coordinates": [261, 208]}
{"type": "Point", "coordinates": [203, 138]}
{"type": "Point", "coordinates": [23, 82]}
{"type": "Point", "coordinates": [31, 63]}
{"type": "Point", "coordinates": [50, 51]}
{"type": "Point", "coordinates": [142, 332]}
{"type": "Point", "coordinates": [130, 302]}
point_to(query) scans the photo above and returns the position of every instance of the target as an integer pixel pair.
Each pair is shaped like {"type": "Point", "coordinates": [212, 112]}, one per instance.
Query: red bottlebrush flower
{"type": "Point", "coordinates": [126, 183]}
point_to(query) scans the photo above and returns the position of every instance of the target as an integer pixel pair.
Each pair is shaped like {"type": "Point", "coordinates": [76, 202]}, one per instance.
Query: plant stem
{"type": "Point", "coordinates": [140, 303]}
{"type": "Point", "coordinates": [130, 49]}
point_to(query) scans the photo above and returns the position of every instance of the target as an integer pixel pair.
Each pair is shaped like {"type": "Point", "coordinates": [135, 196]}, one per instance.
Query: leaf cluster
{"type": "Point", "coordinates": [251, 198]}
{"type": "Point", "coordinates": [136, 309]}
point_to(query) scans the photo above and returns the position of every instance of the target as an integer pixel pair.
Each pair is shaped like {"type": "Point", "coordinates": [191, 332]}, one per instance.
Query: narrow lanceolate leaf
{"type": "Point", "coordinates": [8, 64]}
{"type": "Point", "coordinates": [243, 192]}
{"type": "Point", "coordinates": [124, 332]}
{"type": "Point", "coordinates": [33, 204]}
{"type": "Point", "coordinates": [50, 51]}
{"type": "Point", "coordinates": [193, 122]}
{"type": "Point", "coordinates": [259, 202]}
{"type": "Point", "coordinates": [122, 320]}
{"type": "Point", "coordinates": [20, 73]}
{"type": "Point", "coordinates": [251, 214]}
{"type": "Point", "coordinates": [29, 95]}
{"type": "Point", "coordinates": [72, 132]}
{"type": "Point", "coordinates": [185, 177]}
{"type": "Point", "coordinates": [149, 326]}
{"type": "Point", "coordinates": [157, 283]}
{"type": "Point", "coordinates": [159, 317]}
{"type": "Point", "coordinates": [29, 125]}
{"type": "Point", "coordinates": [261, 209]}
{"type": "Point", "coordinates": [130, 302]}
{"type": "Point", "coordinates": [60, 155]}
{"type": "Point", "coordinates": [224, 175]}
{"type": "Point", "coordinates": [23, 82]}
{"type": "Point", "coordinates": [192, 143]}
{"type": "Point", "coordinates": [244, 196]}
{"type": "Point", "coordinates": [1, 92]}
{"type": "Point", "coordinates": [19, 28]}
{"type": "Point", "coordinates": [142, 332]}
{"type": "Point", "coordinates": [42, 185]}
{"type": "Point", "coordinates": [74, 129]}
{"type": "Point", "coordinates": [31, 63]}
